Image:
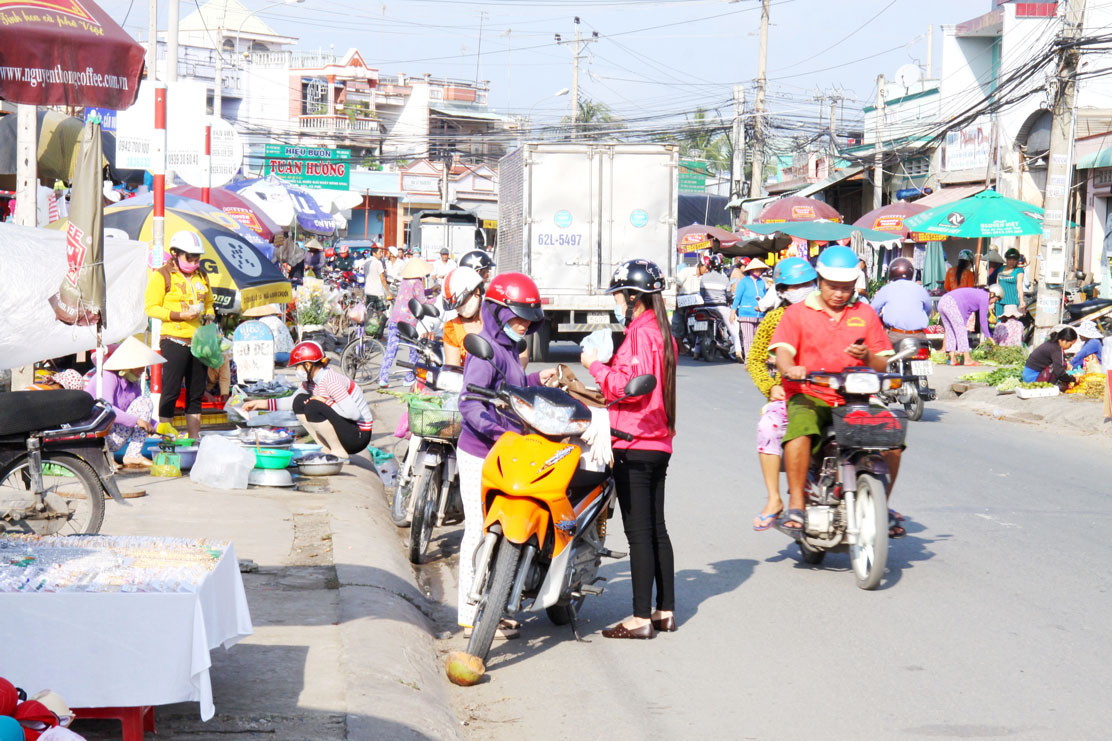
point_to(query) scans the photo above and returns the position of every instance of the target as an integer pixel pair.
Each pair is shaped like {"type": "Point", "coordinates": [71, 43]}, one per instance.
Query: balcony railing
{"type": "Point", "coordinates": [339, 123]}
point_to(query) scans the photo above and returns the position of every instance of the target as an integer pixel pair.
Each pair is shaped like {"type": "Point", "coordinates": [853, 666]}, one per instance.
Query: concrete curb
{"type": "Point", "coordinates": [395, 684]}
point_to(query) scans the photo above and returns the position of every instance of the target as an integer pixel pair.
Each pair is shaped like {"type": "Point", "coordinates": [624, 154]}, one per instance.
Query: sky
{"type": "Point", "coordinates": [651, 58]}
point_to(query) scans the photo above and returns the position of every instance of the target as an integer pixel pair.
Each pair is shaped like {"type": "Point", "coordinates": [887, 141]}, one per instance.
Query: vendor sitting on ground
{"type": "Point", "coordinates": [329, 404]}
{"type": "Point", "coordinates": [1089, 332]}
{"type": "Point", "coordinates": [1009, 328]}
{"type": "Point", "coordinates": [1047, 362]}
{"type": "Point", "coordinates": [120, 387]}
{"type": "Point", "coordinates": [273, 317]}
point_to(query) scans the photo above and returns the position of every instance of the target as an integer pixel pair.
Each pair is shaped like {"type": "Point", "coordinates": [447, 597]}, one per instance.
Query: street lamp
{"type": "Point", "coordinates": [561, 92]}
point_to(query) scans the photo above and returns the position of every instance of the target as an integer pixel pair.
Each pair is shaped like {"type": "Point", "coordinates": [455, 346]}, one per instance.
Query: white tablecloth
{"type": "Point", "coordinates": [124, 649]}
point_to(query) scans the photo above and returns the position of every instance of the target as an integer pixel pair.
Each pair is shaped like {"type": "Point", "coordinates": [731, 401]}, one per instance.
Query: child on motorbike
{"type": "Point", "coordinates": [463, 293]}
{"type": "Point", "coordinates": [794, 279]}
{"type": "Point", "coordinates": [511, 310]}
{"type": "Point", "coordinates": [641, 466]}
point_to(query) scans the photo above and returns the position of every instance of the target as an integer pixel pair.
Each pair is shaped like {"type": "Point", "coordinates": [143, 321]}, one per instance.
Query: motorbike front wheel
{"type": "Point", "coordinates": [493, 605]}
{"type": "Point", "coordinates": [869, 555]}
{"type": "Point", "coordinates": [914, 405]}
{"type": "Point", "coordinates": [399, 507]}
{"type": "Point", "coordinates": [68, 477]}
{"type": "Point", "coordinates": [425, 506]}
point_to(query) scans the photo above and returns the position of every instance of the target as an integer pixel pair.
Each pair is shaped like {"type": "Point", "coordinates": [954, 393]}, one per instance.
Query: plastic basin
{"type": "Point", "coordinates": [272, 458]}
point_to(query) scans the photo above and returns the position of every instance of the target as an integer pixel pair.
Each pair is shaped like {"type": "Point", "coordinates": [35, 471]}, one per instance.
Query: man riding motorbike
{"type": "Point", "coordinates": [714, 286]}
{"type": "Point", "coordinates": [511, 310]}
{"type": "Point", "coordinates": [829, 331]}
{"type": "Point", "coordinates": [902, 304]}
{"type": "Point", "coordinates": [345, 263]}
{"type": "Point", "coordinates": [687, 285]}
{"type": "Point", "coordinates": [479, 261]}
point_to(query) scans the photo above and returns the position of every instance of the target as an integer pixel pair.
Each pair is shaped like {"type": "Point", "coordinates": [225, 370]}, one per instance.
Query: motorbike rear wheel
{"type": "Point", "coordinates": [425, 506]}
{"type": "Point", "coordinates": [869, 555]}
{"type": "Point", "coordinates": [68, 477]}
{"type": "Point", "coordinates": [914, 405]}
{"type": "Point", "coordinates": [493, 604]}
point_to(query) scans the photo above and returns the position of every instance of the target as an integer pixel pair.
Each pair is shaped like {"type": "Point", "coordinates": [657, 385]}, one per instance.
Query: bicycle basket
{"type": "Point", "coordinates": [376, 322]}
{"type": "Point", "coordinates": [427, 419]}
{"type": "Point", "coordinates": [870, 427]}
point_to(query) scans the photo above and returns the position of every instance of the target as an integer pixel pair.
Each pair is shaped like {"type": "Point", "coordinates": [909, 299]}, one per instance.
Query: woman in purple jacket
{"type": "Point", "coordinates": [120, 387]}
{"type": "Point", "coordinates": [955, 308]}
{"type": "Point", "coordinates": [511, 310]}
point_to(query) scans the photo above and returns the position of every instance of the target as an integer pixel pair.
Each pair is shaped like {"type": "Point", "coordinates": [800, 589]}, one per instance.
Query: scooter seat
{"type": "Point", "coordinates": [583, 482]}
{"type": "Point", "coordinates": [28, 411]}
{"type": "Point", "coordinates": [1082, 308]}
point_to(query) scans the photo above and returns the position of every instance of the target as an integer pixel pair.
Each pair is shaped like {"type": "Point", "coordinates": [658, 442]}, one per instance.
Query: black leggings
{"type": "Point", "coordinates": [351, 437]}
{"type": "Point", "coordinates": [180, 364]}
{"type": "Point", "coordinates": [639, 478]}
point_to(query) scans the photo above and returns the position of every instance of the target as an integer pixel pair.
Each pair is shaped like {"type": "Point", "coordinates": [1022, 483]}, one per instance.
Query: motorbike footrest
{"type": "Point", "coordinates": [591, 589]}
{"type": "Point", "coordinates": [607, 553]}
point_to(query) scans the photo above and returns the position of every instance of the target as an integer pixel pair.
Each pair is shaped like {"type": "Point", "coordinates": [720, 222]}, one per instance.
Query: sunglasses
{"type": "Point", "coordinates": [189, 258]}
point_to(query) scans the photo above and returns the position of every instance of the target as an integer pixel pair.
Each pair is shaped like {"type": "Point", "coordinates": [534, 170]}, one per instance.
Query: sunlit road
{"type": "Point", "coordinates": [992, 620]}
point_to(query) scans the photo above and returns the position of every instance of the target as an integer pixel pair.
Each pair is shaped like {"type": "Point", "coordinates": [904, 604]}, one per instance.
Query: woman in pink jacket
{"type": "Point", "coordinates": [640, 466]}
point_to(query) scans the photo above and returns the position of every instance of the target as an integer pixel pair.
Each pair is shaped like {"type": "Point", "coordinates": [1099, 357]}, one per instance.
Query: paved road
{"type": "Point", "coordinates": [992, 620]}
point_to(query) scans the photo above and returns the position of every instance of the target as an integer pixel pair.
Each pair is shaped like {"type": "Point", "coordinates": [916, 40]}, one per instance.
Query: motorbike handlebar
{"type": "Point", "coordinates": [481, 391]}
{"type": "Point", "coordinates": [405, 363]}
{"type": "Point", "coordinates": [621, 435]}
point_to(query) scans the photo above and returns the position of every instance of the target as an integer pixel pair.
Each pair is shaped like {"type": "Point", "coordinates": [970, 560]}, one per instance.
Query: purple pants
{"type": "Point", "coordinates": [957, 336]}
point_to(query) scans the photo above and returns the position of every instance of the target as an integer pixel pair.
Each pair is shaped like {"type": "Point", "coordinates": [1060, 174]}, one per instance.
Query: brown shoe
{"type": "Point", "coordinates": [620, 631]}
{"type": "Point", "coordinates": [665, 625]}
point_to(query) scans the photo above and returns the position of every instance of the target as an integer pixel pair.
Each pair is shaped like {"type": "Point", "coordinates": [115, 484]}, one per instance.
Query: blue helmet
{"type": "Point", "coordinates": [838, 264]}
{"type": "Point", "coordinates": [793, 271]}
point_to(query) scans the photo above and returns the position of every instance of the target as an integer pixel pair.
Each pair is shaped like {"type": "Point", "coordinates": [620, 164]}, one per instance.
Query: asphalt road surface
{"type": "Point", "coordinates": [992, 620]}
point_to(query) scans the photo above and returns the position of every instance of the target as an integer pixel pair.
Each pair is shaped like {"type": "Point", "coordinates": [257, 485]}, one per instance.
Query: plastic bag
{"type": "Point", "coordinates": [206, 346]}
{"type": "Point", "coordinates": [222, 464]}
{"type": "Point", "coordinates": [386, 466]}
{"type": "Point", "coordinates": [167, 465]}
{"type": "Point", "coordinates": [602, 341]}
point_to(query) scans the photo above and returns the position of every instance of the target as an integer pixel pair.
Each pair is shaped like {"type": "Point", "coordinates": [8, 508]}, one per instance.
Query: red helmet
{"type": "Point", "coordinates": [343, 250]}
{"type": "Point", "coordinates": [518, 293]}
{"type": "Point", "coordinates": [306, 352]}
{"type": "Point", "coordinates": [330, 253]}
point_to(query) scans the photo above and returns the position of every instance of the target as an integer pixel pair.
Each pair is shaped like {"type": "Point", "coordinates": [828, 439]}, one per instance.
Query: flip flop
{"type": "Point", "coordinates": [895, 529]}
{"type": "Point", "coordinates": [794, 516]}
{"type": "Point", "coordinates": [894, 515]}
{"type": "Point", "coordinates": [765, 522]}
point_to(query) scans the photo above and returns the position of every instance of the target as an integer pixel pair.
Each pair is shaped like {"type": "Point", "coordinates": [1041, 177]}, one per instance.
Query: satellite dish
{"type": "Point", "coordinates": [908, 76]}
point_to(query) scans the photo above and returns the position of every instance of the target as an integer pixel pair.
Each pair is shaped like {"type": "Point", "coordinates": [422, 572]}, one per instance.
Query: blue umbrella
{"type": "Point", "coordinates": [286, 204]}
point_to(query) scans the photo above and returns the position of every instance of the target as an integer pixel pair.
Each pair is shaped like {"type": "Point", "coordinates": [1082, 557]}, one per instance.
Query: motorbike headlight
{"type": "Point", "coordinates": [546, 417]}
{"type": "Point", "coordinates": [862, 383]}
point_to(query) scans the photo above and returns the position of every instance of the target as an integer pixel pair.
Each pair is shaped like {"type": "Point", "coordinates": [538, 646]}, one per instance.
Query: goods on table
{"type": "Point", "coordinates": [32, 563]}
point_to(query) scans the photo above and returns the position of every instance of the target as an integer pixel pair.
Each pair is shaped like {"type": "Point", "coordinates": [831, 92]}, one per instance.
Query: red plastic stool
{"type": "Point", "coordinates": [135, 721]}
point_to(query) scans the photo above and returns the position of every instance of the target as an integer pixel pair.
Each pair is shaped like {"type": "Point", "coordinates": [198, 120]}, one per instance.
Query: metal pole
{"type": "Point", "coordinates": [152, 40]}
{"type": "Point", "coordinates": [27, 166]}
{"type": "Point", "coordinates": [878, 155]}
{"type": "Point", "coordinates": [575, 81]}
{"type": "Point", "coordinates": [756, 190]}
{"type": "Point", "coordinates": [218, 88]}
{"type": "Point", "coordinates": [172, 42]}
{"type": "Point", "coordinates": [834, 125]}
{"type": "Point", "coordinates": [1052, 251]}
{"type": "Point", "coordinates": [737, 162]}
{"type": "Point", "coordinates": [930, 52]}
{"type": "Point", "coordinates": [206, 165]}
{"type": "Point", "coordinates": [158, 244]}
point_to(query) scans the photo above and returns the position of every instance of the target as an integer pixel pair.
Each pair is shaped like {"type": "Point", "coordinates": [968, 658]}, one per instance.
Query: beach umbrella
{"type": "Point", "coordinates": [59, 138]}
{"type": "Point", "coordinates": [235, 205]}
{"type": "Point", "coordinates": [700, 237]}
{"type": "Point", "coordinates": [288, 205]}
{"type": "Point", "coordinates": [986, 214]}
{"type": "Point", "coordinates": [797, 208]}
{"type": "Point", "coordinates": [891, 218]}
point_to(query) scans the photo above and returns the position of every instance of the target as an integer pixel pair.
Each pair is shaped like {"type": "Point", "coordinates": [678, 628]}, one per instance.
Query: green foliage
{"type": "Point", "coordinates": [992, 353]}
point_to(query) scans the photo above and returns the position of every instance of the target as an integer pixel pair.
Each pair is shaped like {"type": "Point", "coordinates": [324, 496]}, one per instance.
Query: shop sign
{"type": "Point", "coordinates": [420, 184]}
{"type": "Point", "coordinates": [1102, 179]}
{"type": "Point", "coordinates": [311, 167]}
{"type": "Point", "coordinates": [968, 148]}
{"type": "Point", "coordinates": [490, 223]}
{"type": "Point", "coordinates": [693, 176]}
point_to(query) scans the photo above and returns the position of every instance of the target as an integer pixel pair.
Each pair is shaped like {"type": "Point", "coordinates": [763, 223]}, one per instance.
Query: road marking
{"type": "Point", "coordinates": [990, 518]}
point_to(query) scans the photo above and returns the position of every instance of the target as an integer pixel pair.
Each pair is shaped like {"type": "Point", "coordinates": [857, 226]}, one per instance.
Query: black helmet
{"type": "Point", "coordinates": [477, 260]}
{"type": "Point", "coordinates": [901, 269]}
{"type": "Point", "coordinates": [642, 276]}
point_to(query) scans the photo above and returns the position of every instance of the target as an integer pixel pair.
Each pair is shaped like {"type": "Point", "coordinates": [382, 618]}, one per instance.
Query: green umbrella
{"type": "Point", "coordinates": [986, 214]}
{"type": "Point", "coordinates": [934, 267]}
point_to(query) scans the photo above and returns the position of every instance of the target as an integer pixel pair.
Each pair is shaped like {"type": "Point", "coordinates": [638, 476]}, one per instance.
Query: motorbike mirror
{"type": "Point", "coordinates": [416, 308]}
{"type": "Point", "coordinates": [407, 331]}
{"type": "Point", "coordinates": [640, 385]}
{"type": "Point", "coordinates": [478, 347]}
{"type": "Point", "coordinates": [430, 310]}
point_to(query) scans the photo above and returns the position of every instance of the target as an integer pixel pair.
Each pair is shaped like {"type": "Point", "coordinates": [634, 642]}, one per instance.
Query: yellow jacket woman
{"type": "Point", "coordinates": [179, 295]}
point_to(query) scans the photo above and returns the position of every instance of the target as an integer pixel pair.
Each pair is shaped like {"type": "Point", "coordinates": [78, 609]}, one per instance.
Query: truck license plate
{"type": "Point", "coordinates": [699, 326]}
{"type": "Point", "coordinates": [922, 367]}
{"type": "Point", "coordinates": [595, 318]}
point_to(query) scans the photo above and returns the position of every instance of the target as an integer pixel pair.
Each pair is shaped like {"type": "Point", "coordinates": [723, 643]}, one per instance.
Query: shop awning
{"type": "Point", "coordinates": [832, 179]}
{"type": "Point", "coordinates": [459, 111]}
{"type": "Point", "coordinates": [1102, 158]}
{"type": "Point", "coordinates": [822, 231]}
{"type": "Point", "coordinates": [949, 195]}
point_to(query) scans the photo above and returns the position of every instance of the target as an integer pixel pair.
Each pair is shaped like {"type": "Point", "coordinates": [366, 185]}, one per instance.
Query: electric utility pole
{"type": "Point", "coordinates": [578, 45]}
{"type": "Point", "coordinates": [737, 161]}
{"type": "Point", "coordinates": [1059, 175]}
{"type": "Point", "coordinates": [878, 148]}
{"type": "Point", "coordinates": [757, 190]}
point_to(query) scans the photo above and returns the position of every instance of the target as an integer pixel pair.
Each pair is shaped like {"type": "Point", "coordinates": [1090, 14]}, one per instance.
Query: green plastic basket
{"type": "Point", "coordinates": [273, 457]}
{"type": "Point", "coordinates": [427, 419]}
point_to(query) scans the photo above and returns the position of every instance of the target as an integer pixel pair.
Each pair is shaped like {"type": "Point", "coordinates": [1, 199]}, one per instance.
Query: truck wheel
{"type": "Point", "coordinates": [542, 338]}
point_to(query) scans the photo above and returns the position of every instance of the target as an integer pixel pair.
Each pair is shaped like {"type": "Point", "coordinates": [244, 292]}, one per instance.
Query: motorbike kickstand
{"type": "Point", "coordinates": [574, 622]}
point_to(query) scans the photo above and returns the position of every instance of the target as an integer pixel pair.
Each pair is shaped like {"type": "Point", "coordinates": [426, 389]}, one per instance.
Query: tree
{"type": "Point", "coordinates": [594, 117]}
{"type": "Point", "coordinates": [702, 141]}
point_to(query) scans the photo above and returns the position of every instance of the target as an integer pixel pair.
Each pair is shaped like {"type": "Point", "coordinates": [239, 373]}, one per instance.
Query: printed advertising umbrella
{"type": "Point", "coordinates": [700, 237]}
{"type": "Point", "coordinates": [986, 214]}
{"type": "Point", "coordinates": [236, 206]}
{"type": "Point", "coordinates": [797, 208]}
{"type": "Point", "coordinates": [891, 218]}
{"type": "Point", "coordinates": [67, 52]}
{"type": "Point", "coordinates": [288, 205]}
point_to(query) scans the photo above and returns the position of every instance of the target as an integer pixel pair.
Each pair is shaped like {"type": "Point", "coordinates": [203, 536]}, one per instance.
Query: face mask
{"type": "Point", "coordinates": [620, 315]}
{"type": "Point", "coordinates": [188, 267]}
{"type": "Point", "coordinates": [302, 375]}
{"type": "Point", "coordinates": [512, 334]}
{"type": "Point", "coordinates": [470, 307]}
{"type": "Point", "coordinates": [797, 294]}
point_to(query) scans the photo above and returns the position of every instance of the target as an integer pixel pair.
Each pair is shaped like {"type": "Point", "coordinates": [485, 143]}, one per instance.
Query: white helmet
{"type": "Point", "coordinates": [187, 242]}
{"type": "Point", "coordinates": [459, 285]}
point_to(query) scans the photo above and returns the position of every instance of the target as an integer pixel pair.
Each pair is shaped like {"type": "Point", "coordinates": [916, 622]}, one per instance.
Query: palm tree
{"type": "Point", "coordinates": [594, 116]}
{"type": "Point", "coordinates": [702, 141]}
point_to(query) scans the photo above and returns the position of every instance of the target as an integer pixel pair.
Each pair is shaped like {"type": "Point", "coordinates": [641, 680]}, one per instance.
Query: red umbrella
{"type": "Point", "coordinates": [236, 206]}
{"type": "Point", "coordinates": [797, 208]}
{"type": "Point", "coordinates": [890, 219]}
{"type": "Point", "coordinates": [700, 236]}
{"type": "Point", "coordinates": [67, 52]}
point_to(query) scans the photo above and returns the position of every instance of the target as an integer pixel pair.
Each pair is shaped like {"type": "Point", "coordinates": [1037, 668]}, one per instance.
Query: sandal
{"type": "Point", "coordinates": [765, 522]}
{"type": "Point", "coordinates": [895, 529]}
{"type": "Point", "coordinates": [507, 630]}
{"type": "Point", "coordinates": [894, 515]}
{"type": "Point", "coordinates": [792, 525]}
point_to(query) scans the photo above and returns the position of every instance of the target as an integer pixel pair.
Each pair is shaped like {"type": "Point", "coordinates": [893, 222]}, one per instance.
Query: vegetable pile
{"type": "Point", "coordinates": [994, 377]}
{"type": "Point", "coordinates": [1090, 385]}
{"type": "Point", "coordinates": [992, 353]}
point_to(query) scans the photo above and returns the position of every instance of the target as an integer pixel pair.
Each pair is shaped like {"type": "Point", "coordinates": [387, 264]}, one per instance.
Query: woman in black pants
{"type": "Point", "coordinates": [641, 466]}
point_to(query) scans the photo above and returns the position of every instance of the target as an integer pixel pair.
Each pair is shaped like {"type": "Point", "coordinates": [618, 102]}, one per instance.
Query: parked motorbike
{"type": "Point", "coordinates": [712, 336]}
{"type": "Point", "coordinates": [846, 492]}
{"type": "Point", "coordinates": [54, 462]}
{"type": "Point", "coordinates": [544, 515]}
{"type": "Point", "coordinates": [913, 369]}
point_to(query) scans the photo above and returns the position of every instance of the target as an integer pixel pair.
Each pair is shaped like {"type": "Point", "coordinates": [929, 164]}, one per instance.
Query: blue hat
{"type": "Point", "coordinates": [838, 264]}
{"type": "Point", "coordinates": [793, 271]}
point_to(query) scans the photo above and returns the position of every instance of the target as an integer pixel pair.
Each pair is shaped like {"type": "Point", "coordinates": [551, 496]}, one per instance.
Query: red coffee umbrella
{"type": "Point", "coordinates": [67, 52]}
{"type": "Point", "coordinates": [700, 236]}
{"type": "Point", "coordinates": [797, 208]}
{"type": "Point", "coordinates": [890, 218]}
{"type": "Point", "coordinates": [236, 206]}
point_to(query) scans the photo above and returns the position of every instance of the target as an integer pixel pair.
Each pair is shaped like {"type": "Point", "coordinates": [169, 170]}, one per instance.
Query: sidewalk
{"type": "Point", "coordinates": [342, 646]}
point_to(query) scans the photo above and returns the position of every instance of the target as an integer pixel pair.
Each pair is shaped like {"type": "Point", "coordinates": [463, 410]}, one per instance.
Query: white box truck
{"type": "Point", "coordinates": [570, 213]}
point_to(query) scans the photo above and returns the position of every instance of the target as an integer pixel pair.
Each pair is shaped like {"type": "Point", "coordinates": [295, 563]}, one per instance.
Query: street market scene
{"type": "Point", "coordinates": [395, 371]}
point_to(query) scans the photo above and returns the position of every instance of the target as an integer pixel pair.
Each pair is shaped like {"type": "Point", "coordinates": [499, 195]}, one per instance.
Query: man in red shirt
{"type": "Point", "coordinates": [830, 331]}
